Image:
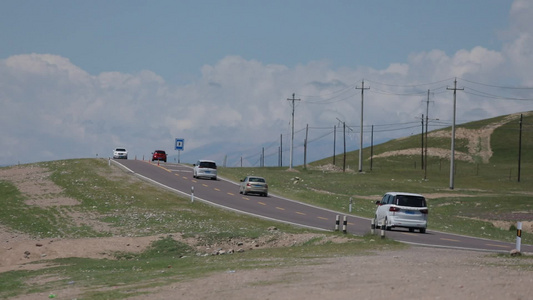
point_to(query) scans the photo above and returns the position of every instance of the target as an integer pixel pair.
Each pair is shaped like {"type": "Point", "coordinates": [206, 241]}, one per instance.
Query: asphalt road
{"type": "Point", "coordinates": [225, 193]}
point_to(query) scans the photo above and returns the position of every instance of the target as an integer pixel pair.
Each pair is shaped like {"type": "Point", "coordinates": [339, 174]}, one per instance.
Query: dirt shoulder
{"type": "Point", "coordinates": [413, 273]}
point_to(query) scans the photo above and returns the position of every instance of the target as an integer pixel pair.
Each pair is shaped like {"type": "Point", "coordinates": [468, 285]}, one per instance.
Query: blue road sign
{"type": "Point", "coordinates": [179, 144]}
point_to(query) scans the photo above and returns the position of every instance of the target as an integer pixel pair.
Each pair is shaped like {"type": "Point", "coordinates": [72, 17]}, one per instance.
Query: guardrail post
{"type": "Point", "coordinates": [518, 236]}
{"type": "Point", "coordinates": [344, 223]}
{"type": "Point", "coordinates": [337, 223]}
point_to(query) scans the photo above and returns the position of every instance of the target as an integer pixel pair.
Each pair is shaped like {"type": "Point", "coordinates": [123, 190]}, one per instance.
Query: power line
{"type": "Point", "coordinates": [411, 86]}
{"type": "Point", "coordinates": [498, 86]}
{"type": "Point", "coordinates": [487, 95]}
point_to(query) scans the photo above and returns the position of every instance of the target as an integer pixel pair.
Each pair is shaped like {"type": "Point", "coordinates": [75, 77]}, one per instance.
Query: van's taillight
{"type": "Point", "coordinates": [393, 208]}
{"type": "Point", "coordinates": [424, 211]}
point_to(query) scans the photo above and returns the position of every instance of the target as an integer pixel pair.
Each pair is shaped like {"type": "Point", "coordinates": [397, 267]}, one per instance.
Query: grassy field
{"type": "Point", "coordinates": [484, 192]}
{"type": "Point", "coordinates": [132, 207]}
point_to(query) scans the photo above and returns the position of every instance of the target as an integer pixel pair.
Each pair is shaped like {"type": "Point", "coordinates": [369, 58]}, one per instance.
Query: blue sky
{"type": "Point", "coordinates": [175, 38]}
{"type": "Point", "coordinates": [78, 78]}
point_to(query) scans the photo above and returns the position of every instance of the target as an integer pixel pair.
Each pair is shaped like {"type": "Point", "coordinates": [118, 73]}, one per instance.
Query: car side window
{"type": "Point", "coordinates": [384, 199]}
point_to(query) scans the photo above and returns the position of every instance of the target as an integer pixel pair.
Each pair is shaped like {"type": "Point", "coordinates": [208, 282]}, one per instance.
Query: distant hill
{"type": "Point", "coordinates": [494, 140]}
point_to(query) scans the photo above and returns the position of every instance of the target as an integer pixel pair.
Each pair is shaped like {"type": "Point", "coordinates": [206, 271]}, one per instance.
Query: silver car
{"type": "Point", "coordinates": [255, 185]}
{"type": "Point", "coordinates": [405, 210]}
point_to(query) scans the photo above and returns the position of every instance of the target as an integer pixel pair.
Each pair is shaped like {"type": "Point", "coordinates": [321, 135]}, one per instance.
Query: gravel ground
{"type": "Point", "coordinates": [414, 273]}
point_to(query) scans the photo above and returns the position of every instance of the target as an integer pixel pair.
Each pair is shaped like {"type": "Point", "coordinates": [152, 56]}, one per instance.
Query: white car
{"type": "Point", "coordinates": [120, 153]}
{"type": "Point", "coordinates": [402, 210]}
{"type": "Point", "coordinates": [206, 169]}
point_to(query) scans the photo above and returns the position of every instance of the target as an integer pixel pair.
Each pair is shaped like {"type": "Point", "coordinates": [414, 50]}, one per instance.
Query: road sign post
{"type": "Point", "coordinates": [178, 145]}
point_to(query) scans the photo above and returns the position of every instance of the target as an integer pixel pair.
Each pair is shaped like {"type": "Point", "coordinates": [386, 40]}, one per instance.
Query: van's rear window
{"type": "Point", "coordinates": [412, 201]}
{"type": "Point", "coordinates": [210, 165]}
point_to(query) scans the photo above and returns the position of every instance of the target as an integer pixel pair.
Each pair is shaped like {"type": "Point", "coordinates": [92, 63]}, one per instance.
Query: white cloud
{"type": "Point", "coordinates": [52, 109]}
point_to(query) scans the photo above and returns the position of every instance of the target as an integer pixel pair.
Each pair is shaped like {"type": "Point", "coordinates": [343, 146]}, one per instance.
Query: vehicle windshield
{"type": "Point", "coordinates": [412, 201]}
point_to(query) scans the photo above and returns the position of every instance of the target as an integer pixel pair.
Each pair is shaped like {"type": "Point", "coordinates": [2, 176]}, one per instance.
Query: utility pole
{"type": "Point", "coordinates": [305, 145]}
{"type": "Point", "coordinates": [344, 157]}
{"type": "Point", "coordinates": [263, 157]}
{"type": "Point", "coordinates": [426, 150]}
{"type": "Point", "coordinates": [281, 150]}
{"type": "Point", "coordinates": [334, 141]}
{"type": "Point", "coordinates": [422, 146]}
{"type": "Point", "coordinates": [520, 147]}
{"type": "Point", "coordinates": [292, 131]}
{"type": "Point", "coordinates": [371, 146]}
{"type": "Point", "coordinates": [452, 155]}
{"type": "Point", "coordinates": [362, 88]}
{"type": "Point", "coordinates": [344, 137]}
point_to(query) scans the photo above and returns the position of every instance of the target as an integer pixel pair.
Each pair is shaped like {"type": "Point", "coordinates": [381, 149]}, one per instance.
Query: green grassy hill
{"type": "Point", "coordinates": [492, 142]}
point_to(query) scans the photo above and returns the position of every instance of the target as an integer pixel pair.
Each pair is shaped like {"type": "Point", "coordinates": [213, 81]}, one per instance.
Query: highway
{"type": "Point", "coordinates": [225, 193]}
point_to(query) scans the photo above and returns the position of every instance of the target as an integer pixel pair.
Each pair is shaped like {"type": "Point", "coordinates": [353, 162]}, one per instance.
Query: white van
{"type": "Point", "coordinates": [402, 210]}
{"type": "Point", "coordinates": [206, 169]}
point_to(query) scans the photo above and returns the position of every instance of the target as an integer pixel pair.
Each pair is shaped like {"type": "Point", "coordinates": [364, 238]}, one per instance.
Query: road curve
{"type": "Point", "coordinates": [225, 193]}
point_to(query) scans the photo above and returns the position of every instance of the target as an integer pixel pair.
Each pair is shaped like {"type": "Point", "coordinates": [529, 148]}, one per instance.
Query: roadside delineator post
{"type": "Point", "coordinates": [383, 230]}
{"type": "Point", "coordinates": [337, 223]}
{"type": "Point", "coordinates": [344, 223]}
{"type": "Point", "coordinates": [372, 226]}
{"type": "Point", "coordinates": [518, 236]}
{"type": "Point", "coordinates": [192, 194]}
{"type": "Point", "coordinates": [350, 209]}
